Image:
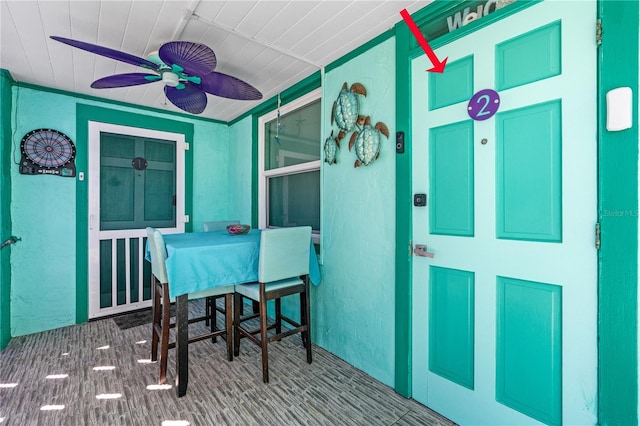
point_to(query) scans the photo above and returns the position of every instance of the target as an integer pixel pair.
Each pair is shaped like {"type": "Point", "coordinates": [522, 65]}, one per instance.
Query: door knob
{"type": "Point", "coordinates": [421, 250]}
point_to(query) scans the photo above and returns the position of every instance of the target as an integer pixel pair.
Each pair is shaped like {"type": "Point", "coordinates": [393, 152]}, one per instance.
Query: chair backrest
{"type": "Point", "coordinates": [220, 225]}
{"type": "Point", "coordinates": [284, 253]}
{"type": "Point", "coordinates": [158, 254]}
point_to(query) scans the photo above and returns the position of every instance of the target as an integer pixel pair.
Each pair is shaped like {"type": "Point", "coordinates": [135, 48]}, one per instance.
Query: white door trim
{"type": "Point", "coordinates": [95, 235]}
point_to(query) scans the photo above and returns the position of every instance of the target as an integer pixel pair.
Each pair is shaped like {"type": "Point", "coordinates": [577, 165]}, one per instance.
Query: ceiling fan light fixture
{"type": "Point", "coordinates": [170, 79]}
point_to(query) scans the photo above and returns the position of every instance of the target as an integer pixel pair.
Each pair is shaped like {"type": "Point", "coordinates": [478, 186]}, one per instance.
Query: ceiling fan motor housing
{"type": "Point", "coordinates": [170, 79]}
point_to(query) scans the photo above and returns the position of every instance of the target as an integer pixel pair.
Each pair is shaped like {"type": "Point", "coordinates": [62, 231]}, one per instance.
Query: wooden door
{"type": "Point", "coordinates": [504, 314]}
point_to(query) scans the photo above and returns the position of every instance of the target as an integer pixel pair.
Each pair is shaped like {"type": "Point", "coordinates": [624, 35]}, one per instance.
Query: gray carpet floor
{"type": "Point", "coordinates": [98, 373]}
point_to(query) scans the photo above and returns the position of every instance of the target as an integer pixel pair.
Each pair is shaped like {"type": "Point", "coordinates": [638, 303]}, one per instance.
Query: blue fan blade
{"type": "Point", "coordinates": [227, 86]}
{"type": "Point", "coordinates": [190, 98]}
{"type": "Point", "coordinates": [109, 53]}
{"type": "Point", "coordinates": [124, 80]}
{"type": "Point", "coordinates": [195, 59]}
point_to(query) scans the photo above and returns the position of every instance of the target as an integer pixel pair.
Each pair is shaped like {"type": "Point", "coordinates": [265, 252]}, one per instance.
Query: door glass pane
{"type": "Point", "coordinates": [137, 197]}
{"type": "Point", "coordinates": [296, 140]}
{"type": "Point", "coordinates": [117, 146]}
{"type": "Point", "coordinates": [163, 151]}
{"type": "Point", "coordinates": [105, 274]}
{"type": "Point", "coordinates": [117, 185]}
{"type": "Point", "coordinates": [146, 276]}
{"type": "Point", "coordinates": [294, 200]}
{"type": "Point", "coordinates": [134, 267]}
{"type": "Point", "coordinates": [121, 264]}
{"type": "Point", "coordinates": [159, 203]}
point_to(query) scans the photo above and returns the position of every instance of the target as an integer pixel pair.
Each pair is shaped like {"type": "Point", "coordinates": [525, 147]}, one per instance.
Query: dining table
{"type": "Point", "coordinates": [198, 261]}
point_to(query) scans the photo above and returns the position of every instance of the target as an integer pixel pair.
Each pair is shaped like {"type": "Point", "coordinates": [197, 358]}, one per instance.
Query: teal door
{"type": "Point", "coordinates": [505, 312]}
{"type": "Point", "coordinates": [136, 180]}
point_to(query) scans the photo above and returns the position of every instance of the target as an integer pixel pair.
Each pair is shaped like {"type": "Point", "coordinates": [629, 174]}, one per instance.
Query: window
{"type": "Point", "coordinates": [289, 165]}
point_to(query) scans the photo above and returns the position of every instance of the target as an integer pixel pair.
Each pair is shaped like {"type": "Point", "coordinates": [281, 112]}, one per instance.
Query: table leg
{"type": "Point", "coordinates": [182, 344]}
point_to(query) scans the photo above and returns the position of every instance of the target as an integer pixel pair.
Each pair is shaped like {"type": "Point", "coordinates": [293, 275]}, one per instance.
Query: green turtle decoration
{"type": "Point", "coordinates": [367, 142]}
{"type": "Point", "coordinates": [331, 147]}
{"type": "Point", "coordinates": [345, 108]}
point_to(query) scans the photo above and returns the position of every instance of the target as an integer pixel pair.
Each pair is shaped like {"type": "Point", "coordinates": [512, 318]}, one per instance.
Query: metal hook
{"type": "Point", "coordinates": [10, 240]}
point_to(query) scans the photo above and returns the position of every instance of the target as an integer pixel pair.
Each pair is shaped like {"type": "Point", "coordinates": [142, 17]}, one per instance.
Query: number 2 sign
{"type": "Point", "coordinates": [484, 104]}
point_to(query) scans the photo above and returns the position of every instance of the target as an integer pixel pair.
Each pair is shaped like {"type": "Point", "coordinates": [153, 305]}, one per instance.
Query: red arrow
{"type": "Point", "coordinates": [437, 65]}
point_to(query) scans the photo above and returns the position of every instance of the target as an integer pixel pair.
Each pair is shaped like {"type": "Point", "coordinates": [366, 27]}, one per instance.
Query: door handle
{"type": "Point", "coordinates": [421, 250]}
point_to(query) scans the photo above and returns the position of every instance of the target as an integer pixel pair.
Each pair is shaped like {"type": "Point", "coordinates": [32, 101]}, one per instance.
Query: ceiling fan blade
{"type": "Point", "coordinates": [194, 58]}
{"type": "Point", "coordinates": [124, 80]}
{"type": "Point", "coordinates": [227, 86]}
{"type": "Point", "coordinates": [109, 53]}
{"type": "Point", "coordinates": [190, 98]}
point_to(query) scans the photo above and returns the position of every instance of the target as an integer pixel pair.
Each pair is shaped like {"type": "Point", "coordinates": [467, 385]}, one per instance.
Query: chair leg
{"type": "Point", "coordinates": [212, 315]}
{"type": "Point", "coordinates": [237, 310]}
{"type": "Point", "coordinates": [207, 312]}
{"type": "Point", "coordinates": [164, 345]}
{"type": "Point", "coordinates": [278, 316]}
{"type": "Point", "coordinates": [255, 307]}
{"type": "Point", "coordinates": [263, 335]}
{"type": "Point", "coordinates": [228, 322]}
{"type": "Point", "coordinates": [155, 309]}
{"type": "Point", "coordinates": [303, 318]}
{"type": "Point", "coordinates": [306, 335]}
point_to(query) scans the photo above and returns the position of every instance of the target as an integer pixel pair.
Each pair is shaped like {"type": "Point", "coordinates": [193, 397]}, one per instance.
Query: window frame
{"type": "Point", "coordinates": [264, 175]}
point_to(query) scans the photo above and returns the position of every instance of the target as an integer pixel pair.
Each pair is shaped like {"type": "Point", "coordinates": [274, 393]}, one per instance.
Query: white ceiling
{"type": "Point", "coordinates": [269, 44]}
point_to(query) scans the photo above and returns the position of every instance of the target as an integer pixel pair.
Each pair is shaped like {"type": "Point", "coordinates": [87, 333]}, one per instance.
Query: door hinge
{"type": "Point", "coordinates": [597, 242]}
{"type": "Point", "coordinates": [598, 32]}
{"type": "Point", "coordinates": [185, 146]}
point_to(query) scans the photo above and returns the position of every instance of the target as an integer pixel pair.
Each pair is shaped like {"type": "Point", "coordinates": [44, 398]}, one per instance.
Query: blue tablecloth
{"type": "Point", "coordinates": [201, 260]}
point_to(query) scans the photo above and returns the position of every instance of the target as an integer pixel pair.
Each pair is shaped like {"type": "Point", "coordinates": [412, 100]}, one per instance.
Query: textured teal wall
{"type": "Point", "coordinates": [211, 195]}
{"type": "Point", "coordinates": [43, 210]}
{"type": "Point", "coordinates": [5, 201]}
{"type": "Point", "coordinates": [353, 307]}
{"type": "Point", "coordinates": [43, 215]}
{"type": "Point", "coordinates": [240, 173]}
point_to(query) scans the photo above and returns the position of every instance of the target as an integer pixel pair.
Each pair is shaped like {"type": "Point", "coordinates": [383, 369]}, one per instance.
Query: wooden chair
{"type": "Point", "coordinates": [211, 302]}
{"type": "Point", "coordinates": [283, 271]}
{"type": "Point", "coordinates": [161, 306]}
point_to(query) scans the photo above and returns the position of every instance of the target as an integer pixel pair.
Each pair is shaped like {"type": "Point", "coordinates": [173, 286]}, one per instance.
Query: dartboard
{"type": "Point", "coordinates": [47, 151]}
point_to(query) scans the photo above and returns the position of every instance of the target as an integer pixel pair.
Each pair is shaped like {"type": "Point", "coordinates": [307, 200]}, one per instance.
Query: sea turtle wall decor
{"type": "Point", "coordinates": [345, 109]}
{"type": "Point", "coordinates": [331, 147]}
{"type": "Point", "coordinates": [367, 142]}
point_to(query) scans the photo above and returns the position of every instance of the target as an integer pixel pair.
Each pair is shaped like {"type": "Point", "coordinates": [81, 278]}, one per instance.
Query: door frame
{"type": "Point", "coordinates": [84, 114]}
{"type": "Point", "coordinates": [617, 58]}
{"type": "Point", "coordinates": [96, 129]}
